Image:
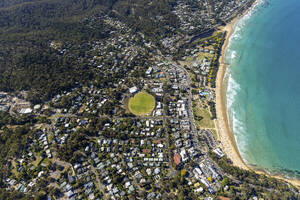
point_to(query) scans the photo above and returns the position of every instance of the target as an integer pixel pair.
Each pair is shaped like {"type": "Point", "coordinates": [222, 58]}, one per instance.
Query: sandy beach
{"type": "Point", "coordinates": [225, 132]}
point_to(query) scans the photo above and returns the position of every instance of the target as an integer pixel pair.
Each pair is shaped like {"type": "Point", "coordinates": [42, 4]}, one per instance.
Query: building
{"type": "Point", "coordinates": [133, 90]}
{"type": "Point", "coordinates": [25, 111]}
{"type": "Point", "coordinates": [177, 159]}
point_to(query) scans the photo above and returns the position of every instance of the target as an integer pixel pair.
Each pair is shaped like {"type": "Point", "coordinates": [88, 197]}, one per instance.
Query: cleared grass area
{"type": "Point", "coordinates": [206, 121]}
{"type": "Point", "coordinates": [141, 104]}
{"type": "Point", "coordinates": [203, 55]}
{"type": "Point", "coordinates": [200, 56]}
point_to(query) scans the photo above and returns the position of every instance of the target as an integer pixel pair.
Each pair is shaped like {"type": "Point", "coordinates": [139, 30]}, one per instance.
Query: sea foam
{"type": "Point", "coordinates": [249, 94]}
{"type": "Point", "coordinates": [233, 88]}
{"type": "Point", "coordinates": [237, 121]}
{"type": "Point", "coordinates": [238, 29]}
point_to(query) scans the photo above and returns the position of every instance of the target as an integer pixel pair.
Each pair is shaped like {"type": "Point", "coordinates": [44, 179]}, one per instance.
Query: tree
{"type": "Point", "coordinates": [182, 175]}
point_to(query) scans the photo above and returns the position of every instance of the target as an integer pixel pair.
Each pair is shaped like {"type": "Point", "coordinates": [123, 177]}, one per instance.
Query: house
{"type": "Point", "coordinates": [37, 107]}
{"type": "Point", "coordinates": [148, 171]}
{"type": "Point", "coordinates": [211, 190]}
{"type": "Point", "coordinates": [25, 111]}
{"type": "Point", "coordinates": [115, 190]}
{"type": "Point", "coordinates": [219, 152]}
{"type": "Point", "coordinates": [200, 189]}
{"type": "Point", "coordinates": [4, 108]}
{"type": "Point", "coordinates": [192, 152]}
{"type": "Point", "coordinates": [204, 182]}
{"type": "Point", "coordinates": [40, 173]}
{"type": "Point", "coordinates": [71, 179]}
{"type": "Point", "coordinates": [214, 172]}
{"type": "Point", "coordinates": [178, 143]}
{"type": "Point", "coordinates": [187, 135]}
{"type": "Point", "coordinates": [133, 90]}
{"type": "Point", "coordinates": [127, 184]}
{"type": "Point", "coordinates": [151, 195]}
{"type": "Point", "coordinates": [177, 135]}
{"type": "Point", "coordinates": [149, 71]}
{"type": "Point", "coordinates": [156, 171]}
{"type": "Point", "coordinates": [70, 193]}
{"type": "Point", "coordinates": [130, 165]}
{"type": "Point", "coordinates": [197, 171]}
{"type": "Point", "coordinates": [122, 193]}
{"type": "Point", "coordinates": [188, 143]}
{"type": "Point", "coordinates": [184, 155]}
{"type": "Point", "coordinates": [159, 105]}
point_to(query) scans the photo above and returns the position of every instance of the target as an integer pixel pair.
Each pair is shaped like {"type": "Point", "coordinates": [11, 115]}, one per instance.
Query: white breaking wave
{"type": "Point", "coordinates": [237, 119]}
{"type": "Point", "coordinates": [233, 88]}
{"type": "Point", "coordinates": [238, 29]}
{"type": "Point", "coordinates": [240, 131]}
{"type": "Point", "coordinates": [233, 55]}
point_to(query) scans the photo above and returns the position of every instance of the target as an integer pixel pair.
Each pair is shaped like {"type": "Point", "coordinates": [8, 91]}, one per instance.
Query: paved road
{"type": "Point", "coordinates": [190, 107]}
{"type": "Point", "coordinates": [99, 184]}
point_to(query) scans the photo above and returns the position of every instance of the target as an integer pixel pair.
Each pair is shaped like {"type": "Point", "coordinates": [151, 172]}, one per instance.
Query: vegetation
{"type": "Point", "coordinates": [142, 104]}
{"type": "Point", "coordinates": [77, 59]}
{"type": "Point", "coordinates": [7, 119]}
{"type": "Point", "coordinates": [12, 144]}
{"type": "Point", "coordinates": [27, 27]}
{"type": "Point", "coordinates": [271, 187]}
{"type": "Point", "coordinates": [212, 108]}
{"type": "Point", "coordinates": [203, 118]}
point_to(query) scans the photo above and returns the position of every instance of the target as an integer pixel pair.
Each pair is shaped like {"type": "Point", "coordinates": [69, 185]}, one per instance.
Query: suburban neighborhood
{"type": "Point", "coordinates": [144, 127]}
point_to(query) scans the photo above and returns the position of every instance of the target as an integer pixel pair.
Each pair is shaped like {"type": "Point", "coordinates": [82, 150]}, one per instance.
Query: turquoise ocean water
{"type": "Point", "coordinates": [263, 90]}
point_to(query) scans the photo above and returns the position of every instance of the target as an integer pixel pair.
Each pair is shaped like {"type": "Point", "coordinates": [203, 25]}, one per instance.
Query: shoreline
{"type": "Point", "coordinates": [224, 129]}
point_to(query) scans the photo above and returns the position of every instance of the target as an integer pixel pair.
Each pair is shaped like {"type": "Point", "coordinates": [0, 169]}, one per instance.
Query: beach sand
{"type": "Point", "coordinates": [225, 132]}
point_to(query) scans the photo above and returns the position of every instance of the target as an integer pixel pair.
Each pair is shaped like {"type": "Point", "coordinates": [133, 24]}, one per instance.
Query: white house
{"type": "Point", "coordinates": [133, 90]}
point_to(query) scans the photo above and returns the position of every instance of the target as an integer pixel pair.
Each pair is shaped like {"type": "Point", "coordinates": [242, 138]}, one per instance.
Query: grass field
{"type": "Point", "coordinates": [141, 104]}
{"type": "Point", "coordinates": [206, 122]}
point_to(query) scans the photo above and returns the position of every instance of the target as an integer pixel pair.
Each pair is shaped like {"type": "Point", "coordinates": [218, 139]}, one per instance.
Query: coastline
{"type": "Point", "coordinates": [225, 132]}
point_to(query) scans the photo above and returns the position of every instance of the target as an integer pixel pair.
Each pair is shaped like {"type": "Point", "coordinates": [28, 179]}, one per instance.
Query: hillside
{"type": "Point", "coordinates": [117, 99]}
{"type": "Point", "coordinates": [27, 27]}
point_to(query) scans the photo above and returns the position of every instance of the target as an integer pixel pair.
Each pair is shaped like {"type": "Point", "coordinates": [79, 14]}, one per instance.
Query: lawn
{"type": "Point", "coordinates": [206, 121]}
{"type": "Point", "coordinates": [142, 104]}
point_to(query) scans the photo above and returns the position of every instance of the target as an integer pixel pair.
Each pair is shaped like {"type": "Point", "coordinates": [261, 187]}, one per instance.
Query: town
{"type": "Point", "coordinates": [93, 141]}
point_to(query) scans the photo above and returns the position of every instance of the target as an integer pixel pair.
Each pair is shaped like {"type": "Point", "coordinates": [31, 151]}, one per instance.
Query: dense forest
{"type": "Point", "coordinates": [27, 28]}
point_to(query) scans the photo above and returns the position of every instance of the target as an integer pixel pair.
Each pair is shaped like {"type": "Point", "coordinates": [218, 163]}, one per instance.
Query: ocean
{"type": "Point", "coordinates": [263, 86]}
